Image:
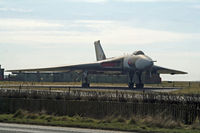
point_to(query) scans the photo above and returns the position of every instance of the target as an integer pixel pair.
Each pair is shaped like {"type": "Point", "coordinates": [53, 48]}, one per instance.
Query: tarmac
{"type": "Point", "coordinates": [23, 128]}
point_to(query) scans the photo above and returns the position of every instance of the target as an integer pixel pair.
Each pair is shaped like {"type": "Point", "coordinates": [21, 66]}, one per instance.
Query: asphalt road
{"type": "Point", "coordinates": [22, 128]}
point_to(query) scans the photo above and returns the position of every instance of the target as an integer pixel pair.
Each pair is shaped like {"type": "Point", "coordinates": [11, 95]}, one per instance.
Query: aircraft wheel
{"type": "Point", "coordinates": [139, 86]}
{"type": "Point", "coordinates": [130, 85]}
{"type": "Point", "coordinates": [142, 86]}
{"type": "Point", "coordinates": [85, 85]}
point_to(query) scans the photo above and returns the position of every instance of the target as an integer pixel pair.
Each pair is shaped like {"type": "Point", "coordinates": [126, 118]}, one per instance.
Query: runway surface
{"type": "Point", "coordinates": [22, 128]}
{"type": "Point", "coordinates": [156, 89]}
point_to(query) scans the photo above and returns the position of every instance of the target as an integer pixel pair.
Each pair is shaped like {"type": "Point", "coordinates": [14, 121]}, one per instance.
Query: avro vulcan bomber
{"type": "Point", "coordinates": [139, 67]}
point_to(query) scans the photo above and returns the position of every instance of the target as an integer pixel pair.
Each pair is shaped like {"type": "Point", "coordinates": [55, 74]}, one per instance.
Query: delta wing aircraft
{"type": "Point", "coordinates": [139, 67]}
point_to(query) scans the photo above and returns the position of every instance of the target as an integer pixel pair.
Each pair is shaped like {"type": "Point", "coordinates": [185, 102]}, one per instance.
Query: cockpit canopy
{"type": "Point", "coordinates": [138, 53]}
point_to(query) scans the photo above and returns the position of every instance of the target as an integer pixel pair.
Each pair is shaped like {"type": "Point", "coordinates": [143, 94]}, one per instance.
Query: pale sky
{"type": "Point", "coordinates": [45, 33]}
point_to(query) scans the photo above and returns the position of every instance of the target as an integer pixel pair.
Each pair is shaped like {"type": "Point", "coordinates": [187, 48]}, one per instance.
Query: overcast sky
{"type": "Point", "coordinates": [45, 33]}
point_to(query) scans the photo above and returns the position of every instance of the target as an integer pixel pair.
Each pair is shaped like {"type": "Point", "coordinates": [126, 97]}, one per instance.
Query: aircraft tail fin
{"type": "Point", "coordinates": [99, 51]}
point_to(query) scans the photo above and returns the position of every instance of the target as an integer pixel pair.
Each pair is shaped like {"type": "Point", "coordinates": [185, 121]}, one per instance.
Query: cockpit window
{"type": "Point", "coordinates": [138, 53]}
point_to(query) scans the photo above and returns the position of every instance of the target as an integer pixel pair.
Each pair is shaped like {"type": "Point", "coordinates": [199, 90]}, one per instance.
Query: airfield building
{"type": "Point", "coordinates": [76, 77]}
{"type": "Point", "coordinates": [1, 73]}
{"type": "Point", "coordinates": [65, 77]}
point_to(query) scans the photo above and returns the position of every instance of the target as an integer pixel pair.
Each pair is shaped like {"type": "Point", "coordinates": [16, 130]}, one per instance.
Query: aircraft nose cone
{"type": "Point", "coordinates": [142, 64]}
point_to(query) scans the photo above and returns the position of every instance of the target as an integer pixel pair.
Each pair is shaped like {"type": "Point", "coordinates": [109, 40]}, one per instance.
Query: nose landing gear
{"type": "Point", "coordinates": [140, 85]}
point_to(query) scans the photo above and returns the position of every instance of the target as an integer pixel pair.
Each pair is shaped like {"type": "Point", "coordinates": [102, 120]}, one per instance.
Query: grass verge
{"type": "Point", "coordinates": [188, 87]}
{"type": "Point", "coordinates": [139, 124]}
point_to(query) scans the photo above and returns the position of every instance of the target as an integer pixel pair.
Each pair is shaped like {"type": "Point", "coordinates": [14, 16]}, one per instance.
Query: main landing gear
{"type": "Point", "coordinates": [85, 83]}
{"type": "Point", "coordinates": [131, 84]}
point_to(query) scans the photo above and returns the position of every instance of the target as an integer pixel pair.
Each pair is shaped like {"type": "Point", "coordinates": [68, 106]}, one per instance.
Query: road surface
{"type": "Point", "coordinates": [22, 128]}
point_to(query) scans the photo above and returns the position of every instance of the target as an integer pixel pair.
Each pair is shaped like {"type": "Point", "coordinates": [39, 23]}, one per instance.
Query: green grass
{"type": "Point", "coordinates": [140, 124]}
{"type": "Point", "coordinates": [57, 83]}
{"type": "Point", "coordinates": [187, 87]}
{"type": "Point", "coordinates": [25, 84]}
